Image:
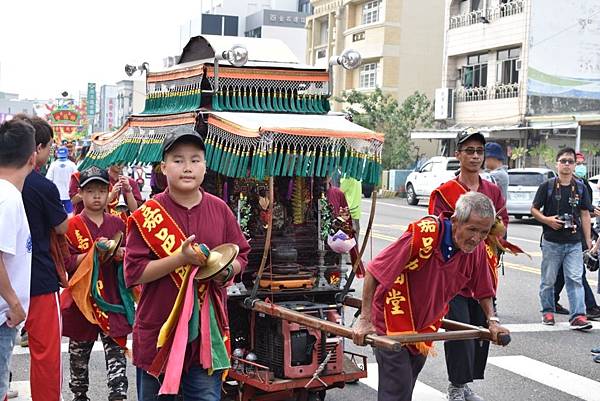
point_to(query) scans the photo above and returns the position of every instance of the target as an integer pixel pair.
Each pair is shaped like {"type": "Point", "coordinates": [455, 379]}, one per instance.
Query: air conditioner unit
{"type": "Point", "coordinates": [444, 104]}
{"type": "Point", "coordinates": [518, 65]}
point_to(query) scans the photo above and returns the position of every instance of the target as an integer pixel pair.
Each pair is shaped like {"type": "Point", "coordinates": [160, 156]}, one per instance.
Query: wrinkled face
{"type": "Point", "coordinates": [566, 164]}
{"type": "Point", "coordinates": [94, 196]}
{"type": "Point", "coordinates": [468, 235]}
{"type": "Point", "coordinates": [470, 154]}
{"type": "Point", "coordinates": [184, 166]}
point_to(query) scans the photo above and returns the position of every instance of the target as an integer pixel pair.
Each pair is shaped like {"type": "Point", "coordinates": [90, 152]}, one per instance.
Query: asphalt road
{"type": "Point", "coordinates": [541, 363]}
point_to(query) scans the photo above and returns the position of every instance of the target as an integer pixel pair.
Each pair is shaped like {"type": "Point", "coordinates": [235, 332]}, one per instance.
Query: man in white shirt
{"type": "Point", "coordinates": [59, 173]}
{"type": "Point", "coordinates": [17, 159]}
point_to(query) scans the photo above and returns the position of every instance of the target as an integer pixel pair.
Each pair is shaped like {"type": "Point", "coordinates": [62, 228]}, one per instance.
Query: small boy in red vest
{"type": "Point", "coordinates": [162, 255]}
{"type": "Point", "coordinates": [96, 302]}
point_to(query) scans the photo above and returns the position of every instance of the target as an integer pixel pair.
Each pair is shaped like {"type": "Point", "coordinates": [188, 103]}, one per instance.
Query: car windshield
{"type": "Point", "coordinates": [453, 165]}
{"type": "Point", "coordinates": [526, 179]}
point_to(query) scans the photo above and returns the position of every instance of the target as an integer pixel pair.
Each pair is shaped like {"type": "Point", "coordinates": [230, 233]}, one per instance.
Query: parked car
{"type": "Point", "coordinates": [434, 172]}
{"type": "Point", "coordinates": [595, 191]}
{"type": "Point", "coordinates": [522, 186]}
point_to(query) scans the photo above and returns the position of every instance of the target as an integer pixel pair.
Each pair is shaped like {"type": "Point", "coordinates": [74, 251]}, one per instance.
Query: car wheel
{"type": "Point", "coordinates": [411, 196]}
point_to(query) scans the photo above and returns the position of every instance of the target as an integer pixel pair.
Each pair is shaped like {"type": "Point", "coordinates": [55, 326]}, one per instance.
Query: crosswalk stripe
{"type": "Point", "coordinates": [539, 327]}
{"type": "Point", "coordinates": [64, 348]}
{"type": "Point", "coordinates": [551, 376]}
{"type": "Point", "coordinates": [422, 392]}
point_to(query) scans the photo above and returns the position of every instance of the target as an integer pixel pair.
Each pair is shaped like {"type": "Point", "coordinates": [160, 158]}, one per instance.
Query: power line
{"type": "Point", "coordinates": [563, 30]}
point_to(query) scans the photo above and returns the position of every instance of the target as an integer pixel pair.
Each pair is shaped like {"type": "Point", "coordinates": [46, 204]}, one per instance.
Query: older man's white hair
{"type": "Point", "coordinates": [473, 203]}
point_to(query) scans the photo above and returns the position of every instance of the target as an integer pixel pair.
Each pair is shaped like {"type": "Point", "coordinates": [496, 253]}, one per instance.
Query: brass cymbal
{"type": "Point", "coordinates": [219, 258]}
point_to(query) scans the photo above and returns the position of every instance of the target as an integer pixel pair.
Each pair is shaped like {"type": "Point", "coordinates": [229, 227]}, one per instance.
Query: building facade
{"type": "Point", "coordinates": [107, 118]}
{"type": "Point", "coordinates": [400, 42]}
{"type": "Point", "coordinates": [10, 104]}
{"type": "Point", "coordinates": [276, 19]}
{"type": "Point", "coordinates": [524, 72]}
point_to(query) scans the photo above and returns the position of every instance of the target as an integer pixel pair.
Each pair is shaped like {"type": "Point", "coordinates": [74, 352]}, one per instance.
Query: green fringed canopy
{"type": "Point", "coordinates": [255, 145]}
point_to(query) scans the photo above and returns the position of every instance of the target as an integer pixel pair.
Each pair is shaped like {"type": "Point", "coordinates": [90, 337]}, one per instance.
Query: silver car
{"type": "Point", "coordinates": [522, 186]}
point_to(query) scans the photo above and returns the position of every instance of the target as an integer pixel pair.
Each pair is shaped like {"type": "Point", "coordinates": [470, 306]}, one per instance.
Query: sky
{"type": "Point", "coordinates": [47, 47]}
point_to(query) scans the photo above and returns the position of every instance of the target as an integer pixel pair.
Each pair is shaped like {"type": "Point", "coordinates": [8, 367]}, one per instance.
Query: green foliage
{"type": "Point", "coordinates": [590, 149]}
{"type": "Point", "coordinates": [519, 153]}
{"type": "Point", "coordinates": [382, 113]}
{"type": "Point", "coordinates": [546, 152]}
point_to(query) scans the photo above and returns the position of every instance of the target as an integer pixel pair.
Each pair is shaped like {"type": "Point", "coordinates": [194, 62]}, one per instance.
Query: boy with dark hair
{"type": "Point", "coordinates": [17, 159]}
{"type": "Point", "coordinates": [563, 206]}
{"type": "Point", "coordinates": [96, 301]}
{"type": "Point", "coordinates": [45, 214]}
{"type": "Point", "coordinates": [162, 255]}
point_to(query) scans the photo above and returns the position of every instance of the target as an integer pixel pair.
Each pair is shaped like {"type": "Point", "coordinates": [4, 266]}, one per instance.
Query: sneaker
{"type": "Point", "coordinates": [548, 319]}
{"type": "Point", "coordinates": [593, 313]}
{"type": "Point", "coordinates": [596, 358]}
{"type": "Point", "coordinates": [24, 340]}
{"type": "Point", "coordinates": [12, 393]}
{"type": "Point", "coordinates": [456, 393]}
{"type": "Point", "coordinates": [596, 350]}
{"type": "Point", "coordinates": [561, 310]}
{"type": "Point", "coordinates": [580, 323]}
{"type": "Point", "coordinates": [470, 395]}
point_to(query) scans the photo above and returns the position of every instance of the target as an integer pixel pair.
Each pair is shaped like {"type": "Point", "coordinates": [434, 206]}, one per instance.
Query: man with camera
{"type": "Point", "coordinates": [562, 205]}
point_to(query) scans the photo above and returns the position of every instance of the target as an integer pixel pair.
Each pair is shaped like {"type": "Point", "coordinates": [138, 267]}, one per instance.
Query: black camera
{"type": "Point", "coordinates": [590, 260]}
{"type": "Point", "coordinates": [567, 219]}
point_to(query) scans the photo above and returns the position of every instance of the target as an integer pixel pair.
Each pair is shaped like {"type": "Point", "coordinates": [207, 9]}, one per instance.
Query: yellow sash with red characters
{"type": "Point", "coordinates": [450, 192]}
{"type": "Point", "coordinates": [397, 308]}
{"type": "Point", "coordinates": [79, 236]}
{"type": "Point", "coordinates": [162, 235]}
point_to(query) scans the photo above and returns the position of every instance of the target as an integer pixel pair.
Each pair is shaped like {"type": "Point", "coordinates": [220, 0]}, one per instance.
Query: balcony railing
{"type": "Point", "coordinates": [498, 91]}
{"type": "Point", "coordinates": [474, 17]}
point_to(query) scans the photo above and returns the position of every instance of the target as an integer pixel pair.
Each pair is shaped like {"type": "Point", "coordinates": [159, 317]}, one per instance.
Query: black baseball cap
{"type": "Point", "coordinates": [180, 133]}
{"type": "Point", "coordinates": [469, 134]}
{"type": "Point", "coordinates": [93, 174]}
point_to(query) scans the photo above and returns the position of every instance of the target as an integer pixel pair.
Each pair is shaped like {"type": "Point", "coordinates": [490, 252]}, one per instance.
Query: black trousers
{"type": "Point", "coordinates": [398, 373]}
{"type": "Point", "coordinates": [466, 359]}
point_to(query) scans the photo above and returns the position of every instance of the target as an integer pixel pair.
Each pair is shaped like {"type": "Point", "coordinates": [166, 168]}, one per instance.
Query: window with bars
{"type": "Point", "coordinates": [508, 66]}
{"type": "Point", "coordinates": [474, 74]}
{"type": "Point", "coordinates": [370, 12]}
{"type": "Point", "coordinates": [367, 77]}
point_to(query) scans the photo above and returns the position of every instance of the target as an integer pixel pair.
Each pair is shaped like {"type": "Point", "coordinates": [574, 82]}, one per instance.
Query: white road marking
{"type": "Point", "coordinates": [539, 327]}
{"type": "Point", "coordinates": [551, 376]}
{"type": "Point", "coordinates": [422, 392]}
{"type": "Point", "coordinates": [64, 348]}
{"type": "Point", "coordinates": [24, 390]}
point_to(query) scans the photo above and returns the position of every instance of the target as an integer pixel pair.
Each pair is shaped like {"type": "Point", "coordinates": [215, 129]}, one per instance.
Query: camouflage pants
{"type": "Point", "coordinates": [79, 358]}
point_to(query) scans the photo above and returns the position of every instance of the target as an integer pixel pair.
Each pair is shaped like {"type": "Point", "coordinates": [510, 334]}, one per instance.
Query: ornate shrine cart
{"type": "Point", "coordinates": [271, 144]}
{"type": "Point", "coordinates": [271, 141]}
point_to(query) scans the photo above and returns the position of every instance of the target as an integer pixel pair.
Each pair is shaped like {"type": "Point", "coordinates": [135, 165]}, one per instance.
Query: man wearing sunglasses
{"type": "Point", "coordinates": [563, 206]}
{"type": "Point", "coordinates": [466, 360]}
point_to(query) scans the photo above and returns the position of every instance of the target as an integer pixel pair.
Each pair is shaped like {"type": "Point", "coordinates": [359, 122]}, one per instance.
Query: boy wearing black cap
{"type": "Point", "coordinates": [96, 301]}
{"type": "Point", "coordinates": [161, 254]}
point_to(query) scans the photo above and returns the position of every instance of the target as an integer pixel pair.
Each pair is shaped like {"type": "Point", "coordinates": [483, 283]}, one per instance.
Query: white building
{"type": "Point", "coordinates": [107, 120]}
{"type": "Point", "coordinates": [278, 19]}
{"type": "Point", "coordinates": [10, 104]}
{"type": "Point", "coordinates": [524, 72]}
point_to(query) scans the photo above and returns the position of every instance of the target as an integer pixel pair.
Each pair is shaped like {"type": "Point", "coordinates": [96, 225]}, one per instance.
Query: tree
{"type": "Point", "coordinates": [382, 113]}
{"type": "Point", "coordinates": [546, 152]}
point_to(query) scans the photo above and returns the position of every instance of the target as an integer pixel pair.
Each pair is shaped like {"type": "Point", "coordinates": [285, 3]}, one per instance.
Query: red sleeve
{"type": "Point", "coordinates": [73, 186]}
{"type": "Point", "coordinates": [390, 262]}
{"type": "Point", "coordinates": [71, 262]}
{"type": "Point", "coordinates": [439, 206]}
{"type": "Point", "coordinates": [135, 189]}
{"type": "Point", "coordinates": [137, 256]}
{"type": "Point", "coordinates": [482, 282]}
{"type": "Point", "coordinates": [500, 204]}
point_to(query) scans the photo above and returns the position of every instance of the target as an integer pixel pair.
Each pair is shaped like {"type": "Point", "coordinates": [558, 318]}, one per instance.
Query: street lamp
{"type": "Point", "coordinates": [237, 56]}
{"type": "Point", "coordinates": [131, 69]}
{"type": "Point", "coordinates": [349, 59]}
